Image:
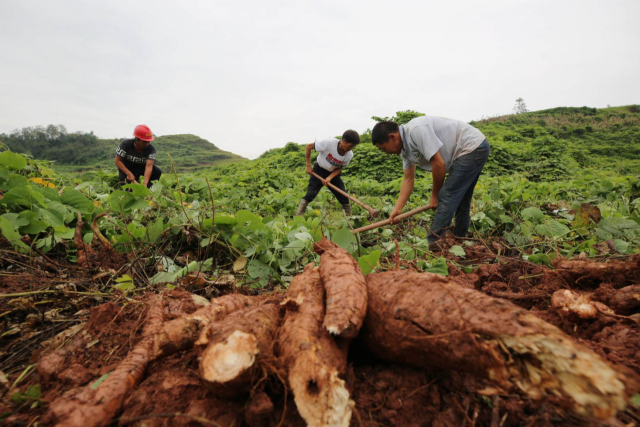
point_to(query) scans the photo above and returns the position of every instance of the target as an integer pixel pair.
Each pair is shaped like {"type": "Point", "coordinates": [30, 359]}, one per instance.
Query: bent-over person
{"type": "Point", "coordinates": [333, 156]}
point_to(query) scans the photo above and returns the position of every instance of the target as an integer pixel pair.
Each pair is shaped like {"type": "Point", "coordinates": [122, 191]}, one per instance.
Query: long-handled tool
{"type": "Point", "coordinates": [386, 221]}
{"type": "Point", "coordinates": [372, 212]}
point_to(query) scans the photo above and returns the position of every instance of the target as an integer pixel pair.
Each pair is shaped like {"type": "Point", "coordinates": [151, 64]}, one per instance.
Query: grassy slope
{"type": "Point", "coordinates": [188, 152]}
{"type": "Point", "coordinates": [542, 145]}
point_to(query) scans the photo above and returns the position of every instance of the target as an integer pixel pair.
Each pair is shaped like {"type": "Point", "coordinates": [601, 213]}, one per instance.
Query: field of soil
{"type": "Point", "coordinates": [504, 345]}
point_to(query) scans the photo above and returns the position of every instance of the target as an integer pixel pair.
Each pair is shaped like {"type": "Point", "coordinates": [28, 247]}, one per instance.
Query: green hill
{"type": "Point", "coordinates": [80, 151]}
{"type": "Point", "coordinates": [542, 145]}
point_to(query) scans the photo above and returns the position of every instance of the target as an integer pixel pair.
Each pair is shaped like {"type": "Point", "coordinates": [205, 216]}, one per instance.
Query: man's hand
{"type": "Point", "coordinates": [433, 203]}
{"type": "Point", "coordinates": [324, 181]}
{"type": "Point", "coordinates": [130, 177]}
{"type": "Point", "coordinates": [309, 170]}
{"type": "Point", "coordinates": [392, 217]}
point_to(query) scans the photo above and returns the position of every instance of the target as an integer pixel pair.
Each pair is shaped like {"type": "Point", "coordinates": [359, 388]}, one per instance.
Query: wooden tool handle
{"type": "Point", "coordinates": [399, 217]}
{"type": "Point", "coordinates": [372, 212]}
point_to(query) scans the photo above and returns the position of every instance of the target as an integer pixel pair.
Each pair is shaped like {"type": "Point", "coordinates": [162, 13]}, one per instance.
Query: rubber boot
{"type": "Point", "coordinates": [347, 209]}
{"type": "Point", "coordinates": [302, 207]}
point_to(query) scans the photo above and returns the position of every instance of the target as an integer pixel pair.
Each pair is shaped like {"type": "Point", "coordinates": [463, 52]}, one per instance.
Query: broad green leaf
{"type": "Point", "coordinates": [257, 269]}
{"type": "Point", "coordinates": [621, 246]}
{"type": "Point", "coordinates": [345, 239]}
{"type": "Point", "coordinates": [14, 181]}
{"type": "Point", "coordinates": [51, 216]}
{"type": "Point", "coordinates": [457, 250]}
{"type": "Point", "coordinates": [78, 201]}
{"type": "Point", "coordinates": [12, 161]}
{"type": "Point", "coordinates": [540, 258]}
{"type": "Point", "coordinates": [368, 262]}
{"type": "Point", "coordinates": [617, 227]}
{"type": "Point", "coordinates": [552, 228]}
{"type": "Point", "coordinates": [16, 219]}
{"type": "Point", "coordinates": [11, 234]}
{"type": "Point", "coordinates": [4, 173]}
{"type": "Point", "coordinates": [438, 267]}
{"type": "Point", "coordinates": [532, 214]}
{"type": "Point", "coordinates": [63, 233]}
{"type": "Point", "coordinates": [155, 230]}
{"type": "Point", "coordinates": [137, 190]}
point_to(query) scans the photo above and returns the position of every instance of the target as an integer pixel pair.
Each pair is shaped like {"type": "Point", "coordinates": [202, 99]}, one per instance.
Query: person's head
{"type": "Point", "coordinates": [350, 139]}
{"type": "Point", "coordinates": [386, 136]}
{"type": "Point", "coordinates": [143, 133]}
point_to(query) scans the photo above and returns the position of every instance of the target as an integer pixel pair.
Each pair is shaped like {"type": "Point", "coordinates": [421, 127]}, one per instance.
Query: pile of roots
{"type": "Point", "coordinates": [338, 349]}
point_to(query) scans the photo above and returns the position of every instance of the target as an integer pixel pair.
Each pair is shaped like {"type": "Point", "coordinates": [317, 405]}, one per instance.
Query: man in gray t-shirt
{"type": "Point", "coordinates": [442, 146]}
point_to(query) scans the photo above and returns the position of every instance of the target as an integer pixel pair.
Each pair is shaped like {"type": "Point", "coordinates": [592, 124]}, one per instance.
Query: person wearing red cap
{"type": "Point", "coordinates": [136, 157]}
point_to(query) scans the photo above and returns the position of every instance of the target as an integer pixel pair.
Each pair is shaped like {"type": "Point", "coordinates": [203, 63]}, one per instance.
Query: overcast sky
{"type": "Point", "coordinates": [253, 75]}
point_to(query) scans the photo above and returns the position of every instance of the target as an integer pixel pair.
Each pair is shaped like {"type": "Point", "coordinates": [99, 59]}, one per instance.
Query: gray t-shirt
{"type": "Point", "coordinates": [424, 136]}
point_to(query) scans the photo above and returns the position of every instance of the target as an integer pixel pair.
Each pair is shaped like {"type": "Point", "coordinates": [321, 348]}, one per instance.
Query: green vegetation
{"type": "Point", "coordinates": [78, 151]}
{"type": "Point", "coordinates": [544, 180]}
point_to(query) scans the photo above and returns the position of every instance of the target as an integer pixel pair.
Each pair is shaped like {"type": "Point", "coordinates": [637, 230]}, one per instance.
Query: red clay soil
{"type": "Point", "coordinates": [172, 393]}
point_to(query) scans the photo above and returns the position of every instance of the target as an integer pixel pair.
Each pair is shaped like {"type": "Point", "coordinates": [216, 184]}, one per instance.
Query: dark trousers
{"type": "Point", "coordinates": [454, 199]}
{"type": "Point", "coordinates": [315, 185]}
{"type": "Point", "coordinates": [137, 169]}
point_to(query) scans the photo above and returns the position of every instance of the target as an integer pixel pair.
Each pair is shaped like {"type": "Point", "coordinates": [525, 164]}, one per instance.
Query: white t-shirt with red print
{"type": "Point", "coordinates": [328, 156]}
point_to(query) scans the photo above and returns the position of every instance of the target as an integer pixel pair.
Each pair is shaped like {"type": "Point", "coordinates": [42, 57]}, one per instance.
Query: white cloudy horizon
{"type": "Point", "coordinates": [250, 76]}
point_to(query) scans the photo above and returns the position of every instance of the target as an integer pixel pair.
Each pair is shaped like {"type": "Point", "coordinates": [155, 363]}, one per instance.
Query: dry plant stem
{"type": "Point", "coordinates": [398, 218]}
{"type": "Point", "coordinates": [93, 408]}
{"type": "Point", "coordinates": [426, 321]}
{"type": "Point", "coordinates": [372, 212]}
{"type": "Point", "coordinates": [79, 243]}
{"type": "Point", "coordinates": [311, 357]}
{"type": "Point", "coordinates": [346, 291]}
{"type": "Point", "coordinates": [397, 254]}
{"type": "Point", "coordinates": [232, 351]}
{"type": "Point", "coordinates": [97, 234]}
{"type": "Point", "coordinates": [180, 334]}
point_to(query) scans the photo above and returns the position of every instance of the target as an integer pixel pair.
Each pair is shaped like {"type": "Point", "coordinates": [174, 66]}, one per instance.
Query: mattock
{"type": "Point", "coordinates": [372, 212]}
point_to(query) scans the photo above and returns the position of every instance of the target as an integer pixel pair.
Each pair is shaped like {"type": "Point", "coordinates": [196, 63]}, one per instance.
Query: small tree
{"type": "Point", "coordinates": [520, 107]}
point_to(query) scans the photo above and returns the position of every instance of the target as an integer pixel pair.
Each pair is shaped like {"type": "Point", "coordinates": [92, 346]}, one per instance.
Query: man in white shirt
{"type": "Point", "coordinates": [442, 146]}
{"type": "Point", "coordinates": [333, 156]}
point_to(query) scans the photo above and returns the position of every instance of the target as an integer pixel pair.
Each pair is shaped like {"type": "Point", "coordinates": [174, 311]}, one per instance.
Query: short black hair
{"type": "Point", "coordinates": [381, 131]}
{"type": "Point", "coordinates": [351, 136]}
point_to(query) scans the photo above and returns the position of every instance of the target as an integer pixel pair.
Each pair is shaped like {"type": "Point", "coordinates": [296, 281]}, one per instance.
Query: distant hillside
{"type": "Point", "coordinates": [84, 151]}
{"type": "Point", "coordinates": [548, 144]}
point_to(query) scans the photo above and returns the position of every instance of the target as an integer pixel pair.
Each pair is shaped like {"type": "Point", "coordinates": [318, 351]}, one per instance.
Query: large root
{"type": "Point", "coordinates": [575, 307]}
{"type": "Point", "coordinates": [590, 274]}
{"type": "Point", "coordinates": [425, 321]}
{"type": "Point", "coordinates": [231, 350]}
{"type": "Point", "coordinates": [346, 292]}
{"type": "Point", "coordinates": [180, 334]}
{"type": "Point", "coordinates": [624, 301]}
{"type": "Point", "coordinates": [96, 407]}
{"type": "Point", "coordinates": [311, 356]}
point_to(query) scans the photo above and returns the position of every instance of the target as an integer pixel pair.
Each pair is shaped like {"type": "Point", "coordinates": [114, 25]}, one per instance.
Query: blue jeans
{"type": "Point", "coordinates": [454, 199]}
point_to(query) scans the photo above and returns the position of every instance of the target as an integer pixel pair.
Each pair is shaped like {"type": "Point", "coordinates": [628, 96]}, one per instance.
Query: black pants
{"type": "Point", "coordinates": [315, 185]}
{"type": "Point", "coordinates": [137, 169]}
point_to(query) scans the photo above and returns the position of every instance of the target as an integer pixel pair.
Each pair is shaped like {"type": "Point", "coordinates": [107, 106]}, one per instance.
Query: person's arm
{"type": "Point", "coordinates": [148, 169]}
{"type": "Point", "coordinates": [307, 155]}
{"type": "Point", "coordinates": [438, 169]}
{"type": "Point", "coordinates": [332, 175]}
{"type": "Point", "coordinates": [405, 191]}
{"type": "Point", "coordinates": [124, 169]}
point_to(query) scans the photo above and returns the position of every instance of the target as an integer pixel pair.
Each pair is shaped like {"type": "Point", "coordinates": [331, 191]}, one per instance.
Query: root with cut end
{"type": "Point", "coordinates": [424, 320]}
{"type": "Point", "coordinates": [231, 350]}
{"type": "Point", "coordinates": [180, 334]}
{"type": "Point", "coordinates": [313, 360]}
{"type": "Point", "coordinates": [346, 292]}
